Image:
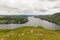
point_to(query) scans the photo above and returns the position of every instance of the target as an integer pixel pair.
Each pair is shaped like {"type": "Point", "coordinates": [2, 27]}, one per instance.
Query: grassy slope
{"type": "Point", "coordinates": [29, 33]}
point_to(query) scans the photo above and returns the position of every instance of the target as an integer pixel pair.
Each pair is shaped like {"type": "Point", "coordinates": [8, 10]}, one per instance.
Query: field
{"type": "Point", "coordinates": [29, 33]}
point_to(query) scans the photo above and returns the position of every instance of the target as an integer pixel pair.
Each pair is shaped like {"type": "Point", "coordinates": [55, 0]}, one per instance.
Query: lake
{"type": "Point", "coordinates": [32, 21]}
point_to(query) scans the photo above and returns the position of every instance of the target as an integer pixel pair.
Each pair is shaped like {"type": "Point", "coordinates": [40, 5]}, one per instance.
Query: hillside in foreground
{"type": "Point", "coordinates": [29, 33]}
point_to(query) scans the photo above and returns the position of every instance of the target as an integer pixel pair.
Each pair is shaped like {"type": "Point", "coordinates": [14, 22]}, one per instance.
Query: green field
{"type": "Point", "coordinates": [29, 33]}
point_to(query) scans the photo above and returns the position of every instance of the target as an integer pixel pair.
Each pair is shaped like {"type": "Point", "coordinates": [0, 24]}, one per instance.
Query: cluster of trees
{"type": "Point", "coordinates": [13, 19]}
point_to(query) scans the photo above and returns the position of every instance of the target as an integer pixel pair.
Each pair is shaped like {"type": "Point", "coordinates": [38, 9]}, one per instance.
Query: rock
{"type": "Point", "coordinates": [22, 34]}
{"type": "Point", "coordinates": [2, 39]}
{"type": "Point", "coordinates": [31, 31]}
{"type": "Point", "coordinates": [40, 34]}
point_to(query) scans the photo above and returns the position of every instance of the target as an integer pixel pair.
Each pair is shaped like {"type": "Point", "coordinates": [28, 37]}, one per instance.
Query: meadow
{"type": "Point", "coordinates": [29, 33]}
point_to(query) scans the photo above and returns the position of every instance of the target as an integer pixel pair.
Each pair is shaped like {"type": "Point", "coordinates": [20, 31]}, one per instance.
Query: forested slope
{"type": "Point", "coordinates": [17, 19]}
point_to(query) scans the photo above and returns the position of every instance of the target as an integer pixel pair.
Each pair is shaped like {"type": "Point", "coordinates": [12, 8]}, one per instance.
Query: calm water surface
{"type": "Point", "coordinates": [32, 22]}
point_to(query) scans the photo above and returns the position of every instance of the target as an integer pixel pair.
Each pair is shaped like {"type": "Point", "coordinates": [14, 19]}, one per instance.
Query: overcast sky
{"type": "Point", "coordinates": [29, 7]}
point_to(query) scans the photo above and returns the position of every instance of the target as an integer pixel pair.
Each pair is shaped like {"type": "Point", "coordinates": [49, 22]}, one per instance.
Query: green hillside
{"type": "Point", "coordinates": [55, 18]}
{"type": "Point", "coordinates": [29, 33]}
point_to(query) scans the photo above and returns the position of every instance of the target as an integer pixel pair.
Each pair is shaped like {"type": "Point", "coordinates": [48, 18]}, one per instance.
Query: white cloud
{"type": "Point", "coordinates": [29, 7]}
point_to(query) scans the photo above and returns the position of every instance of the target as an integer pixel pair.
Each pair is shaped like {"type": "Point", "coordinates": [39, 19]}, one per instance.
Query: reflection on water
{"type": "Point", "coordinates": [32, 22]}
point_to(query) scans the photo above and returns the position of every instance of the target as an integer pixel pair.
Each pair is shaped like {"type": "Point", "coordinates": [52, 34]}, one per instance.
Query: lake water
{"type": "Point", "coordinates": [32, 22]}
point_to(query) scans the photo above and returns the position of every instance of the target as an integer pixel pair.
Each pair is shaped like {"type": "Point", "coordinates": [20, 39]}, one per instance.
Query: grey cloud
{"type": "Point", "coordinates": [29, 7]}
